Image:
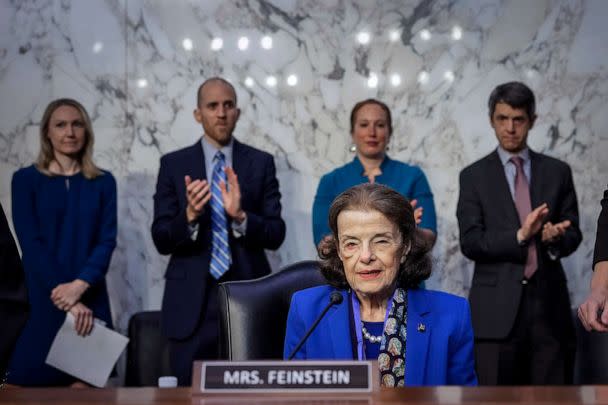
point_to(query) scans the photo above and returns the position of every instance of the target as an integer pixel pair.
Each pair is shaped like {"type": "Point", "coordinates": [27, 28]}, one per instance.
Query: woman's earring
{"type": "Point", "coordinates": [404, 255]}
{"type": "Point", "coordinates": [353, 148]}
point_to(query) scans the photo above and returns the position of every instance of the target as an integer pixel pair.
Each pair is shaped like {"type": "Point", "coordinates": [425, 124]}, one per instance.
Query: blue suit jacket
{"type": "Point", "coordinates": [187, 274]}
{"type": "Point", "coordinates": [442, 354]}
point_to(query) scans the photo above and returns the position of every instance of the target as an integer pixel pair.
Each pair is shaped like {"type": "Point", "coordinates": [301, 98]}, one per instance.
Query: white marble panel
{"type": "Point", "coordinates": [136, 66]}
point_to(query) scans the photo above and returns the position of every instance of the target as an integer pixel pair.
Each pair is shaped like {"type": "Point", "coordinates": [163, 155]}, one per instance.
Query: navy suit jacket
{"type": "Point", "coordinates": [442, 354]}
{"type": "Point", "coordinates": [187, 274]}
{"type": "Point", "coordinates": [488, 222]}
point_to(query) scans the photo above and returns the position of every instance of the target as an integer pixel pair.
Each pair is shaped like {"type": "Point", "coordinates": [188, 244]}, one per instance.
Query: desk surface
{"type": "Point", "coordinates": [438, 395]}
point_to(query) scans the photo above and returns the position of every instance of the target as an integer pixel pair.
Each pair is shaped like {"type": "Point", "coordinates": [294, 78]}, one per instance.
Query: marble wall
{"type": "Point", "coordinates": [299, 66]}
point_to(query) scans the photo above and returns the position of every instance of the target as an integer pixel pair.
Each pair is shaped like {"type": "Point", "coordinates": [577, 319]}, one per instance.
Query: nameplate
{"type": "Point", "coordinates": [283, 376]}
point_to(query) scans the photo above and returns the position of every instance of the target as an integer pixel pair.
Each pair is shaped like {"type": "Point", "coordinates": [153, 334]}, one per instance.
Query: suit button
{"type": "Point", "coordinates": [524, 281]}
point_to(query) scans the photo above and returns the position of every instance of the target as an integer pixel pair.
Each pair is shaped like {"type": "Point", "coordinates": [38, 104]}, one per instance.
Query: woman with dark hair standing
{"type": "Point", "coordinates": [371, 128]}
{"type": "Point", "coordinates": [375, 258]}
{"type": "Point", "coordinates": [64, 213]}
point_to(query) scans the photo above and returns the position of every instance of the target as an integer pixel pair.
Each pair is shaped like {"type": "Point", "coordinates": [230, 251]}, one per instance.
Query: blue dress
{"type": "Point", "coordinates": [66, 226]}
{"type": "Point", "coordinates": [407, 180]}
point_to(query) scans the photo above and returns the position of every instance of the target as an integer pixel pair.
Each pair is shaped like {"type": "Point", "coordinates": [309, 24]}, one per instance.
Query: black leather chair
{"type": "Point", "coordinates": [253, 313]}
{"type": "Point", "coordinates": [591, 361]}
{"type": "Point", "coordinates": [147, 351]}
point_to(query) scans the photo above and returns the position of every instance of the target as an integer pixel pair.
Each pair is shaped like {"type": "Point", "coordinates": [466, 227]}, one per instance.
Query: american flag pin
{"type": "Point", "coordinates": [421, 327]}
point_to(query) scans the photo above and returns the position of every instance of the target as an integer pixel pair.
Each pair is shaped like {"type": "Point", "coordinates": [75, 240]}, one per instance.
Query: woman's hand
{"type": "Point", "coordinates": [417, 212]}
{"type": "Point", "coordinates": [66, 295]}
{"type": "Point", "coordinates": [83, 317]}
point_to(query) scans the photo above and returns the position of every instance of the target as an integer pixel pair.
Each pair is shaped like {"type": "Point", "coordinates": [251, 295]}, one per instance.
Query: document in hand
{"type": "Point", "coordinates": [89, 358]}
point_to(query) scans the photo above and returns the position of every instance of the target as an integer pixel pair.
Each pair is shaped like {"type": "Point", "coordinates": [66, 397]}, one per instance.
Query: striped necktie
{"type": "Point", "coordinates": [220, 250]}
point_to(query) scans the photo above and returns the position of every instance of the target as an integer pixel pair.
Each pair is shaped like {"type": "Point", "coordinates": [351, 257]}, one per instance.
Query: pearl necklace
{"type": "Point", "coordinates": [369, 336]}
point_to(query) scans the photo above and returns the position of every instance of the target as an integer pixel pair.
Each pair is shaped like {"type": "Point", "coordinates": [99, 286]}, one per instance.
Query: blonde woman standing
{"type": "Point", "coordinates": [64, 212]}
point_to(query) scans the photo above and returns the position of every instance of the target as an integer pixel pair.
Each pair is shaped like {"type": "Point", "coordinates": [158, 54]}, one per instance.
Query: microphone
{"type": "Point", "coordinates": [335, 298]}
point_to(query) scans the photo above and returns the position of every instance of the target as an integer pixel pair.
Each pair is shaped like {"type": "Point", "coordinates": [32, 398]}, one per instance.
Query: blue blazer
{"type": "Point", "coordinates": [187, 275]}
{"type": "Point", "coordinates": [442, 354]}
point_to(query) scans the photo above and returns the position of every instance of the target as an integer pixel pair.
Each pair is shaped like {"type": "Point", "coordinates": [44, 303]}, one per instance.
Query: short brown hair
{"type": "Point", "coordinates": [398, 210]}
{"type": "Point", "coordinates": [360, 104]}
{"type": "Point", "coordinates": [515, 94]}
{"type": "Point", "coordinates": [46, 153]}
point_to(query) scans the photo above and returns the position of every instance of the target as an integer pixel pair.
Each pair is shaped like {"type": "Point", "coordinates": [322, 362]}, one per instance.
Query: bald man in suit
{"type": "Point", "coordinates": [216, 209]}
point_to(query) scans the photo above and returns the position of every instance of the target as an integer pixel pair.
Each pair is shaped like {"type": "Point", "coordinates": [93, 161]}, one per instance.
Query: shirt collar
{"type": "Point", "coordinates": [505, 156]}
{"type": "Point", "coordinates": [210, 150]}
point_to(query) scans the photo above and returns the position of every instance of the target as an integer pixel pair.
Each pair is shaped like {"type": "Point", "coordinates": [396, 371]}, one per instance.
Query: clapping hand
{"type": "Point", "coordinates": [198, 194]}
{"type": "Point", "coordinates": [417, 211]}
{"type": "Point", "coordinates": [552, 232]}
{"type": "Point", "coordinates": [533, 222]}
{"type": "Point", "coordinates": [232, 196]}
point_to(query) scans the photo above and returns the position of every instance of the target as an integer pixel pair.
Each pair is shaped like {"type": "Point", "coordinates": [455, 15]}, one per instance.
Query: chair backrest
{"type": "Point", "coordinates": [591, 361]}
{"type": "Point", "coordinates": [147, 352]}
{"type": "Point", "coordinates": [253, 313]}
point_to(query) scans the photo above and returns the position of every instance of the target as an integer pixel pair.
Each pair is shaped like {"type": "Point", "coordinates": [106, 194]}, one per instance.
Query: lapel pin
{"type": "Point", "coordinates": [421, 327]}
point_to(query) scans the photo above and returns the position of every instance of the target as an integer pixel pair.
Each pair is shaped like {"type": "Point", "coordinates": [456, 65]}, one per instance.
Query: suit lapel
{"type": "Point", "coordinates": [194, 165]}
{"type": "Point", "coordinates": [339, 325]}
{"type": "Point", "coordinates": [536, 186]}
{"type": "Point", "coordinates": [499, 187]}
{"type": "Point", "coordinates": [196, 162]}
{"type": "Point", "coordinates": [240, 161]}
{"type": "Point", "coordinates": [418, 336]}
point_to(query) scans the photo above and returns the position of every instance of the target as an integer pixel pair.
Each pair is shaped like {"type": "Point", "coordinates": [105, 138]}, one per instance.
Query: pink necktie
{"type": "Point", "coordinates": [524, 207]}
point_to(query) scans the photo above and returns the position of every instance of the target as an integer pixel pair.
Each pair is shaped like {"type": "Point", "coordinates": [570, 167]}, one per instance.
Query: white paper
{"type": "Point", "coordinates": [89, 358]}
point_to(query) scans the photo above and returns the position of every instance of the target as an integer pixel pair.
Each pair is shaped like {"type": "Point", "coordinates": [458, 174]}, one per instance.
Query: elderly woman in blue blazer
{"type": "Point", "coordinates": [376, 258]}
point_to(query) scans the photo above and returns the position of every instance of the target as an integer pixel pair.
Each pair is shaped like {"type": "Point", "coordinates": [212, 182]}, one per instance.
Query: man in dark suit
{"type": "Point", "coordinates": [518, 215]}
{"type": "Point", "coordinates": [593, 313]}
{"type": "Point", "coordinates": [14, 306]}
{"type": "Point", "coordinates": [216, 208]}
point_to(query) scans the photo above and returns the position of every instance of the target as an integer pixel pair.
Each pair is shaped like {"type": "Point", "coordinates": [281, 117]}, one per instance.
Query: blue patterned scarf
{"type": "Point", "coordinates": [391, 359]}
